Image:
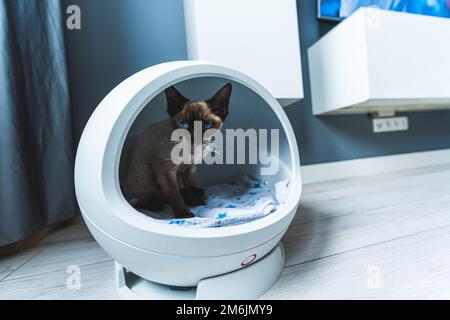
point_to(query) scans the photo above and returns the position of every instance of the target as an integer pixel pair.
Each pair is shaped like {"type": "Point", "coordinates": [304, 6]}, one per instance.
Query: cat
{"type": "Point", "coordinates": [153, 179]}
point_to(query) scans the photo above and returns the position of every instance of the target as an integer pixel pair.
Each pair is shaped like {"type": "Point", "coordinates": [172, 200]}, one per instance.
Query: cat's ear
{"type": "Point", "coordinates": [175, 101]}
{"type": "Point", "coordinates": [219, 103]}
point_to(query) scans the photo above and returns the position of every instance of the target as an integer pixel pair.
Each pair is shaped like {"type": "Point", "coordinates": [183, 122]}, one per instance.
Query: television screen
{"type": "Point", "coordinates": [340, 9]}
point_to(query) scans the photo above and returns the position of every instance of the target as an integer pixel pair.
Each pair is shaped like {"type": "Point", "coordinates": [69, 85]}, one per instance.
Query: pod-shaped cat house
{"type": "Point", "coordinates": [158, 260]}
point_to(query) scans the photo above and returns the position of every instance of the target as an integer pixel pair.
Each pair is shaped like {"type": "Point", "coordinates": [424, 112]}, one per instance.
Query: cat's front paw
{"type": "Point", "coordinates": [193, 196]}
{"type": "Point", "coordinates": [194, 202]}
{"type": "Point", "coordinates": [183, 214]}
{"type": "Point", "coordinates": [197, 192]}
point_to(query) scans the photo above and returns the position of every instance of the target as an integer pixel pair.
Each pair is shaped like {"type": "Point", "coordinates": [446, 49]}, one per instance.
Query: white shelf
{"type": "Point", "coordinates": [257, 37]}
{"type": "Point", "coordinates": [383, 61]}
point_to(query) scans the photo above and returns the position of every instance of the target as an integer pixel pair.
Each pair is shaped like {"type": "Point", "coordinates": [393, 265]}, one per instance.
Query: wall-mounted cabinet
{"type": "Point", "coordinates": [257, 37]}
{"type": "Point", "coordinates": [381, 61]}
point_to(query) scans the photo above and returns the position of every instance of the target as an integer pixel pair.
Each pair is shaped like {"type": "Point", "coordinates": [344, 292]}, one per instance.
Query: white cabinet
{"type": "Point", "coordinates": [257, 37]}
{"type": "Point", "coordinates": [384, 61]}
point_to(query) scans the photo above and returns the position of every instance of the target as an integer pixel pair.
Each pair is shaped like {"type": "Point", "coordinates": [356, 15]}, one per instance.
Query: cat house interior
{"type": "Point", "coordinates": [244, 104]}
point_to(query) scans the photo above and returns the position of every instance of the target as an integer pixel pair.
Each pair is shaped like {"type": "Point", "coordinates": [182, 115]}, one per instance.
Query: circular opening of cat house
{"type": "Point", "coordinates": [106, 148]}
{"type": "Point", "coordinates": [241, 173]}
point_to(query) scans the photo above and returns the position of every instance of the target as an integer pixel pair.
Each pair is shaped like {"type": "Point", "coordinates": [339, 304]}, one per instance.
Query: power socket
{"type": "Point", "coordinates": [390, 124]}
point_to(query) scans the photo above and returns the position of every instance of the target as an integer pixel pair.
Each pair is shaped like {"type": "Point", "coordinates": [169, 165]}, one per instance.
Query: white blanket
{"type": "Point", "coordinates": [237, 202]}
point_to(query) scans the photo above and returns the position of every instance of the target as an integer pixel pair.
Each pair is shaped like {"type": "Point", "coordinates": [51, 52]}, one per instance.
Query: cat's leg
{"type": "Point", "coordinates": [192, 195]}
{"type": "Point", "coordinates": [153, 202]}
{"type": "Point", "coordinates": [168, 183]}
{"type": "Point", "coordinates": [143, 188]}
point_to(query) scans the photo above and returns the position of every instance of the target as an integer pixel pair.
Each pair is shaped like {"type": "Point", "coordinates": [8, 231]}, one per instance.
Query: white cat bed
{"type": "Point", "coordinates": [157, 260]}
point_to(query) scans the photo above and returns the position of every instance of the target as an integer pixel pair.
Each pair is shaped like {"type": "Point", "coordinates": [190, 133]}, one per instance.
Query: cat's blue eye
{"type": "Point", "coordinates": [207, 124]}
{"type": "Point", "coordinates": [181, 123]}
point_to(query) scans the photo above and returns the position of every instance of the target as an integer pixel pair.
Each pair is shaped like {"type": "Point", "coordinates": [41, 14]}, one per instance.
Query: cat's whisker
{"type": "Point", "coordinates": [208, 144]}
{"type": "Point", "coordinates": [212, 147]}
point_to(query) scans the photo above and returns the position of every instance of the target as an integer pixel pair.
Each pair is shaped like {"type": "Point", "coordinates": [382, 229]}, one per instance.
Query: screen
{"type": "Point", "coordinates": [340, 9]}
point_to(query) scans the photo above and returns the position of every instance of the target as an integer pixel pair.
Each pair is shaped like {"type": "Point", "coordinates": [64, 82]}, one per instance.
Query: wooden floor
{"type": "Point", "coordinates": [384, 236]}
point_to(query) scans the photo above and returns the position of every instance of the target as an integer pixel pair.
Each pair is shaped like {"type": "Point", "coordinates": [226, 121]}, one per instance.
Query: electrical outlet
{"type": "Point", "coordinates": [390, 124]}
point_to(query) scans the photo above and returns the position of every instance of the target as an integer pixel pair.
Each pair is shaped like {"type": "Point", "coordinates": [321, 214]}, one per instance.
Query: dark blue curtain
{"type": "Point", "coordinates": [36, 146]}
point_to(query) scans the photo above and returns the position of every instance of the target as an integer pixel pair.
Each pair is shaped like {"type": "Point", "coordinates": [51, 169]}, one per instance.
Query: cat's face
{"type": "Point", "coordinates": [212, 112]}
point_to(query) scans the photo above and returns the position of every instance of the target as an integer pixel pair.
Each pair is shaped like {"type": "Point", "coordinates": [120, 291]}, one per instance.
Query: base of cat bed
{"type": "Point", "coordinates": [250, 282]}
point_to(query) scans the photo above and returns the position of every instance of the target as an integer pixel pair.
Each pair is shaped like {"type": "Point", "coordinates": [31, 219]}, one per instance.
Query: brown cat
{"type": "Point", "coordinates": [153, 178]}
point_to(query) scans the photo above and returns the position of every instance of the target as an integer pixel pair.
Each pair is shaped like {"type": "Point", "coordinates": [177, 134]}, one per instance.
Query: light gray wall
{"type": "Point", "coordinates": [120, 37]}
